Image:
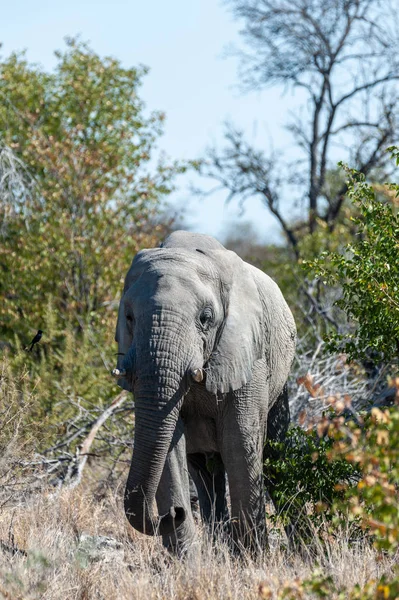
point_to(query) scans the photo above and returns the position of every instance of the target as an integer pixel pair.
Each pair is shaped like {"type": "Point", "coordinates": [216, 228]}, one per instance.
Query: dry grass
{"type": "Point", "coordinates": [60, 560]}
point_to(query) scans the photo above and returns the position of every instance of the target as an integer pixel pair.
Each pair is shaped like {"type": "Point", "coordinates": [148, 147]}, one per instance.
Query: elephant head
{"type": "Point", "coordinates": [190, 314]}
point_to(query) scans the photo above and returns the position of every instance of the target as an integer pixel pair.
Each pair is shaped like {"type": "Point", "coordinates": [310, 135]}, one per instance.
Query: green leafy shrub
{"type": "Point", "coordinates": [305, 476]}
{"type": "Point", "coordinates": [365, 487]}
{"type": "Point", "coordinates": [368, 272]}
{"type": "Point", "coordinates": [83, 141]}
{"type": "Point", "coordinates": [79, 190]}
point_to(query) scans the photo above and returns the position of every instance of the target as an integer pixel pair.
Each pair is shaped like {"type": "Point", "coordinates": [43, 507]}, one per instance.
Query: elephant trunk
{"type": "Point", "coordinates": [145, 473]}
{"type": "Point", "coordinates": [159, 391]}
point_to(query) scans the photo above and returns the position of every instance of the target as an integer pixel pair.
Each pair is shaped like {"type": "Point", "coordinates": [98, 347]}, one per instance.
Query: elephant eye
{"type": "Point", "coordinates": [130, 321]}
{"type": "Point", "coordinates": [206, 317]}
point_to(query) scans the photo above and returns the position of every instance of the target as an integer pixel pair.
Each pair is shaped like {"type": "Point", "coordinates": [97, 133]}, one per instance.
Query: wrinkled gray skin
{"type": "Point", "coordinates": [192, 304]}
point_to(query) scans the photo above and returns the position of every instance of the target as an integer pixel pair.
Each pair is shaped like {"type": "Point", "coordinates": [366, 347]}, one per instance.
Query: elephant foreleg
{"type": "Point", "coordinates": [242, 446]}
{"type": "Point", "coordinates": [208, 474]}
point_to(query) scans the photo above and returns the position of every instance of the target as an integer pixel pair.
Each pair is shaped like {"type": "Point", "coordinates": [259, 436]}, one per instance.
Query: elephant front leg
{"type": "Point", "coordinates": [242, 450]}
{"type": "Point", "coordinates": [208, 474]}
{"type": "Point", "coordinates": [174, 490]}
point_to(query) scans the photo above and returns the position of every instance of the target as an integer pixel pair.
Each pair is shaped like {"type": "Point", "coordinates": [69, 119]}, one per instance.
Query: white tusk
{"type": "Point", "coordinates": [118, 373]}
{"type": "Point", "coordinates": [197, 375]}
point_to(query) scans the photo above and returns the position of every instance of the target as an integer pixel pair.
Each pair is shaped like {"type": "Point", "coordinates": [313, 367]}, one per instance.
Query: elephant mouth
{"type": "Point", "coordinates": [171, 521]}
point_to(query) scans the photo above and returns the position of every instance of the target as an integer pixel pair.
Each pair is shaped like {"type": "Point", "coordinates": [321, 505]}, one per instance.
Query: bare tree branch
{"type": "Point", "coordinates": [345, 56]}
{"type": "Point", "coordinates": [245, 172]}
{"type": "Point", "coordinates": [367, 86]}
{"type": "Point", "coordinates": [75, 473]}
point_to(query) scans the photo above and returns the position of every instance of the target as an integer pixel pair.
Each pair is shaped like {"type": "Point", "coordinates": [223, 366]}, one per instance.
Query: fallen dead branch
{"type": "Point", "coordinates": [75, 470]}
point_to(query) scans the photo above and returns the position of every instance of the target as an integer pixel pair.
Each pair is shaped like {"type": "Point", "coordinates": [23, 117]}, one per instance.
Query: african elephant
{"type": "Point", "coordinates": [205, 343]}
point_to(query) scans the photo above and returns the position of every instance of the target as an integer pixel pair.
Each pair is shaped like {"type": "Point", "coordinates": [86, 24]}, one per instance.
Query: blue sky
{"type": "Point", "coordinates": [184, 43]}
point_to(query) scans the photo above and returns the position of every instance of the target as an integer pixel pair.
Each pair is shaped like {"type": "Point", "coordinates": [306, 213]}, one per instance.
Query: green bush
{"type": "Point", "coordinates": [306, 481]}
{"type": "Point", "coordinates": [367, 272]}
{"type": "Point", "coordinates": [349, 468]}
{"type": "Point", "coordinates": [79, 191]}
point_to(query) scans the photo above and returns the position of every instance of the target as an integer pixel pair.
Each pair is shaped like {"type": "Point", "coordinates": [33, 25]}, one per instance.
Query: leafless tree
{"type": "Point", "coordinates": [344, 56]}
{"type": "Point", "coordinates": [16, 185]}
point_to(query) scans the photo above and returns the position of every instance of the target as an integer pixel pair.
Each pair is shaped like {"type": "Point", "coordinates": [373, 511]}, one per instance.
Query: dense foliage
{"type": "Point", "coordinates": [342, 473]}
{"type": "Point", "coordinates": [78, 195]}
{"type": "Point", "coordinates": [373, 447]}
{"type": "Point", "coordinates": [368, 273]}
{"type": "Point", "coordinates": [305, 476]}
{"type": "Point", "coordinates": [85, 140]}
{"type": "Point", "coordinates": [346, 469]}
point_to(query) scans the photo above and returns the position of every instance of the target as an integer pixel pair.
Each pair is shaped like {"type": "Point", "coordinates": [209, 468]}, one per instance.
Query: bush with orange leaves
{"type": "Point", "coordinates": [372, 445]}
{"type": "Point", "coordinates": [353, 464]}
{"type": "Point", "coordinates": [344, 468]}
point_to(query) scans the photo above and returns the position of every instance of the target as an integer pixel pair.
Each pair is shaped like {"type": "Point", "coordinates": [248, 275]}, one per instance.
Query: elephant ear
{"type": "Point", "coordinates": [124, 340]}
{"type": "Point", "coordinates": [123, 337]}
{"type": "Point", "coordinates": [240, 341]}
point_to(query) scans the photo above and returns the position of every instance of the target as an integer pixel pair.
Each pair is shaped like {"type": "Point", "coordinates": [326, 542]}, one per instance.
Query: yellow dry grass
{"type": "Point", "coordinates": [55, 529]}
